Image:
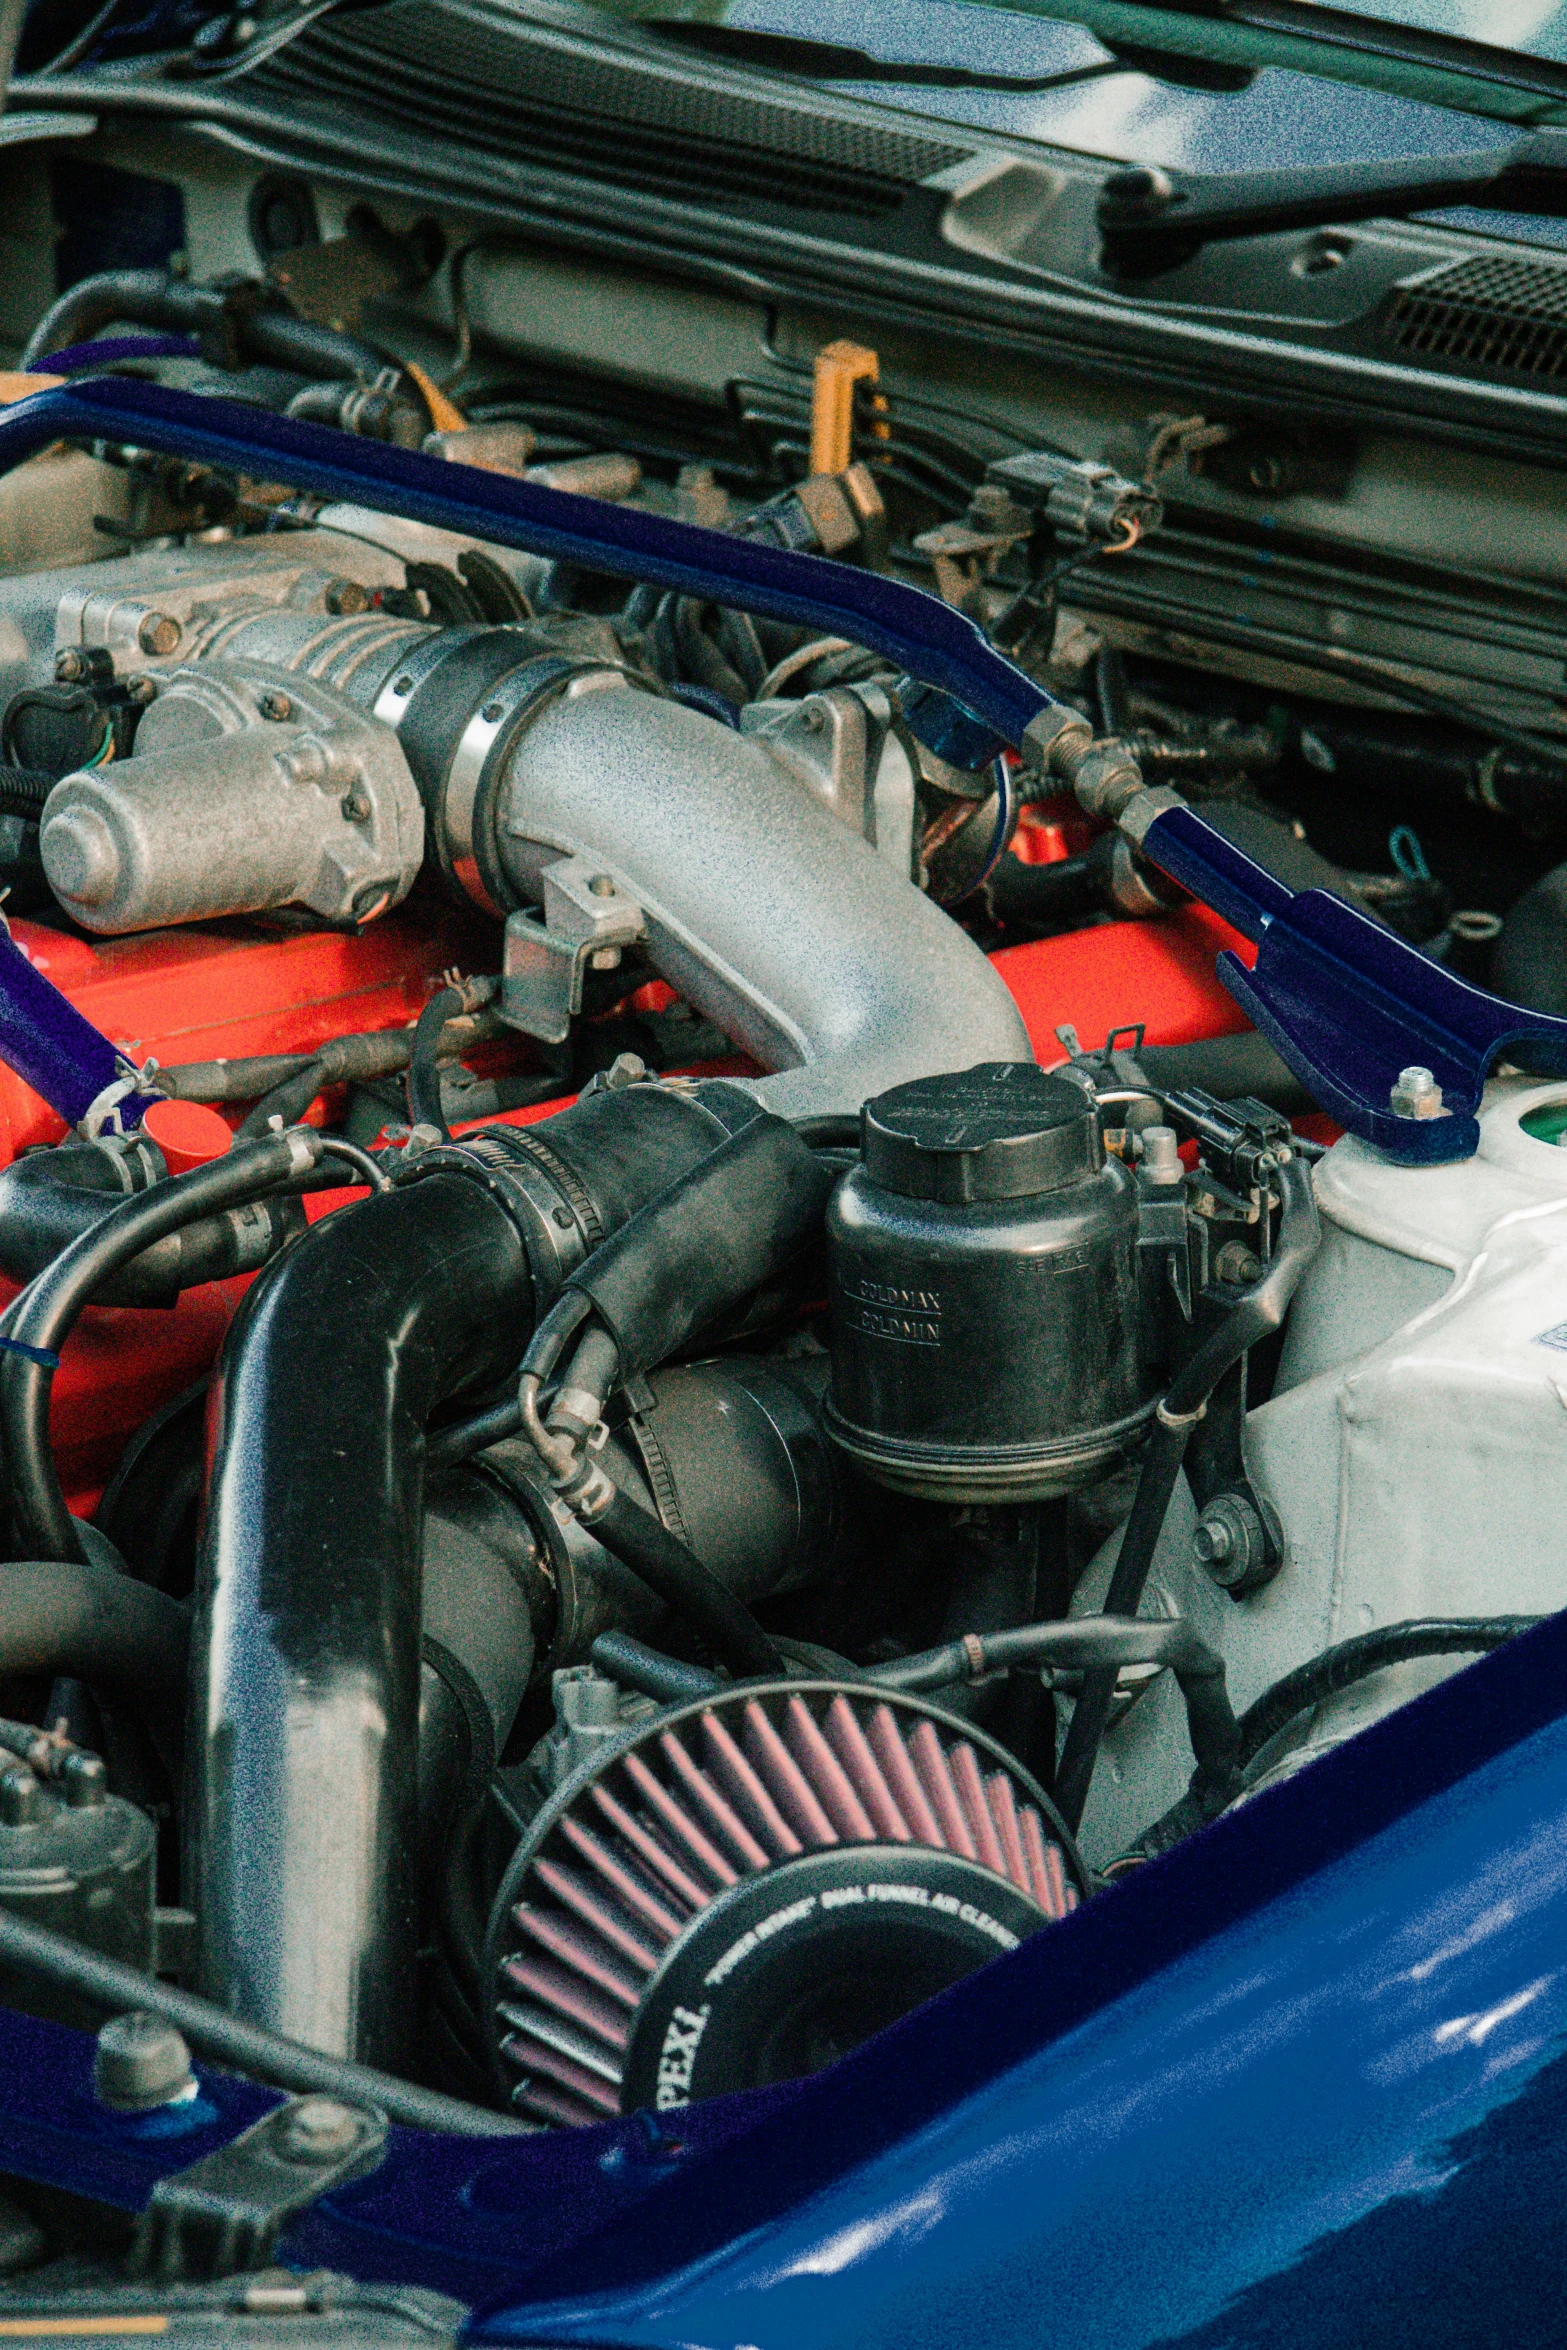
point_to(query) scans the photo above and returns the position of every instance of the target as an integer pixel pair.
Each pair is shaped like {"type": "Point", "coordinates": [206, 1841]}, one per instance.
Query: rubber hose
{"type": "Point", "coordinates": [104, 1628]}
{"type": "Point", "coordinates": [41, 1214]}
{"type": "Point", "coordinates": [636, 1666]}
{"type": "Point", "coordinates": [44, 1315]}
{"type": "Point", "coordinates": [424, 1076]}
{"type": "Point", "coordinates": [678, 1576]}
{"type": "Point", "coordinates": [1254, 1316]}
{"type": "Point", "coordinates": [151, 297]}
{"type": "Point", "coordinates": [266, 2056]}
{"type": "Point", "coordinates": [1350, 1661]}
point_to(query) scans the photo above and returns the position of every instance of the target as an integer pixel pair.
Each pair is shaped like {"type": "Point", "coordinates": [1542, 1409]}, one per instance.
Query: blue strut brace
{"type": "Point", "coordinates": [1345, 1002]}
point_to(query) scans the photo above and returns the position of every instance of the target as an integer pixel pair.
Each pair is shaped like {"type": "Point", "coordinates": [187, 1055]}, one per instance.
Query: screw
{"type": "Point", "coordinates": [275, 705]}
{"type": "Point", "coordinates": [602, 886]}
{"type": "Point", "coordinates": [492, 713]}
{"type": "Point", "coordinates": [1415, 1094]}
{"type": "Point", "coordinates": [70, 665]}
{"type": "Point", "coordinates": [141, 2063]}
{"type": "Point", "coordinates": [563, 1217]}
{"type": "Point", "coordinates": [356, 806]}
{"type": "Point", "coordinates": [402, 685]}
{"type": "Point", "coordinates": [319, 2129]}
{"type": "Point", "coordinates": [159, 633]}
{"type": "Point", "coordinates": [19, 1797]}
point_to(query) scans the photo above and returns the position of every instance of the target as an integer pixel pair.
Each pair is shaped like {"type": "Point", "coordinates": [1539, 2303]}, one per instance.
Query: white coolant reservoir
{"type": "Point", "coordinates": [1415, 1445]}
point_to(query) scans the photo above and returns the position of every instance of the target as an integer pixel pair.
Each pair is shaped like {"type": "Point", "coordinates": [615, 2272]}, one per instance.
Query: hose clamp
{"type": "Point", "coordinates": [1178, 1420]}
{"type": "Point", "coordinates": [464, 826]}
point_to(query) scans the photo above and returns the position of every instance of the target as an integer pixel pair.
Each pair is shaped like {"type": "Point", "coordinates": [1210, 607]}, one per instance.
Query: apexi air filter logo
{"type": "Point", "coordinates": [677, 2057]}
{"type": "Point", "coordinates": [884, 1310]}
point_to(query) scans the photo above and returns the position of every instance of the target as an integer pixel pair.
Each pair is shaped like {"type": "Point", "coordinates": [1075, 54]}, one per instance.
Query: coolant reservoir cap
{"type": "Point", "coordinates": [1002, 1131]}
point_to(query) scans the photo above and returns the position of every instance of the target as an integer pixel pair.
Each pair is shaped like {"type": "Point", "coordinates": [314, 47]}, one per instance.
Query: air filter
{"type": "Point", "coordinates": [751, 1886]}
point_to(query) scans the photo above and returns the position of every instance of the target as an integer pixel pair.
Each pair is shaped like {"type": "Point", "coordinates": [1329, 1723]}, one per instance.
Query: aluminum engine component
{"type": "Point", "coordinates": [250, 788]}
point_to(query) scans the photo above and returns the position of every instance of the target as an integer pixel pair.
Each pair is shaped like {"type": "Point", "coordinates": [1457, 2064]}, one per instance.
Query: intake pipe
{"type": "Point", "coordinates": [303, 1810]}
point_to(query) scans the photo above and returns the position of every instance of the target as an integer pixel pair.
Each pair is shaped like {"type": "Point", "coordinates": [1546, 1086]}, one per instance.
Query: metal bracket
{"type": "Point", "coordinates": [1351, 1007]}
{"type": "Point", "coordinates": [586, 914]}
{"type": "Point", "coordinates": [224, 2214]}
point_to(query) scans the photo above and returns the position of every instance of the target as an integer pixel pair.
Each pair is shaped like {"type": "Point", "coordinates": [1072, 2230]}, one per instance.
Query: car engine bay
{"type": "Point", "coordinates": [674, 1365]}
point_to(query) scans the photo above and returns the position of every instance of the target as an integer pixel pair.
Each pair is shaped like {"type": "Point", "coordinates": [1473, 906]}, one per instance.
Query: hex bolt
{"type": "Point", "coordinates": [319, 2129]}
{"type": "Point", "coordinates": [275, 705]}
{"type": "Point", "coordinates": [20, 1797]}
{"type": "Point", "coordinates": [159, 633]}
{"type": "Point", "coordinates": [356, 806]}
{"type": "Point", "coordinates": [70, 665]}
{"type": "Point", "coordinates": [141, 690]}
{"type": "Point", "coordinates": [84, 1780]}
{"type": "Point", "coordinates": [1229, 1540]}
{"type": "Point", "coordinates": [1415, 1094]}
{"type": "Point", "coordinates": [602, 885]}
{"type": "Point", "coordinates": [140, 2064]}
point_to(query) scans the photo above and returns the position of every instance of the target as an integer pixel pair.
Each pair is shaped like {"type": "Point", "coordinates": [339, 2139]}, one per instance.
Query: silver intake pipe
{"type": "Point", "coordinates": [761, 907]}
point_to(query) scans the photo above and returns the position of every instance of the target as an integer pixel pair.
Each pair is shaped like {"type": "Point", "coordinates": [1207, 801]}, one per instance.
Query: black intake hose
{"type": "Point", "coordinates": [104, 1628]}
{"type": "Point", "coordinates": [303, 1821]}
{"type": "Point", "coordinates": [49, 1199]}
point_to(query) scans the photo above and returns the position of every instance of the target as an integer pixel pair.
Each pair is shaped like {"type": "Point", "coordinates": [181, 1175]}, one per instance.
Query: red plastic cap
{"type": "Point", "coordinates": [188, 1134]}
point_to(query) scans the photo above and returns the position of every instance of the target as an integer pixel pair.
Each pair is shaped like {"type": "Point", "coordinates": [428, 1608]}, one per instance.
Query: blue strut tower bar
{"type": "Point", "coordinates": [1346, 1003]}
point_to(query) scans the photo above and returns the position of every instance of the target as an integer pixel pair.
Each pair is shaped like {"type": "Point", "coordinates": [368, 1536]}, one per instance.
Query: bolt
{"type": "Point", "coordinates": [492, 713]}
{"type": "Point", "coordinates": [159, 633]}
{"type": "Point", "coordinates": [563, 1217]}
{"type": "Point", "coordinates": [1415, 1094]}
{"type": "Point", "coordinates": [84, 1780]}
{"type": "Point", "coordinates": [345, 596]}
{"type": "Point", "coordinates": [140, 2064]}
{"type": "Point", "coordinates": [20, 1796]}
{"type": "Point", "coordinates": [602, 886]}
{"type": "Point", "coordinates": [275, 705]}
{"type": "Point", "coordinates": [1229, 1540]}
{"type": "Point", "coordinates": [319, 2129]}
{"type": "Point", "coordinates": [141, 690]}
{"type": "Point", "coordinates": [815, 718]}
{"type": "Point", "coordinates": [1161, 1159]}
{"type": "Point", "coordinates": [70, 665]}
{"type": "Point", "coordinates": [1237, 1263]}
{"type": "Point", "coordinates": [402, 685]}
{"type": "Point", "coordinates": [355, 806]}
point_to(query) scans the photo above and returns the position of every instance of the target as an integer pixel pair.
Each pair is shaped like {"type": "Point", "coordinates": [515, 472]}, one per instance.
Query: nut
{"type": "Point", "coordinates": [1055, 738]}
{"type": "Point", "coordinates": [1229, 1541]}
{"type": "Point", "coordinates": [320, 2129]}
{"type": "Point", "coordinates": [343, 596]}
{"type": "Point", "coordinates": [141, 2063]}
{"type": "Point", "coordinates": [1415, 1094]}
{"type": "Point", "coordinates": [275, 705]}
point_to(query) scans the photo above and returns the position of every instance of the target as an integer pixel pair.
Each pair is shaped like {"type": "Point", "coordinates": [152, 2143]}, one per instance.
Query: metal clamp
{"type": "Point", "coordinates": [586, 913]}
{"type": "Point", "coordinates": [224, 2214]}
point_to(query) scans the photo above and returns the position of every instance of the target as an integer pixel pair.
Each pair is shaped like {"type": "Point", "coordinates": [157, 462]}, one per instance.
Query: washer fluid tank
{"type": "Point", "coordinates": [984, 1285]}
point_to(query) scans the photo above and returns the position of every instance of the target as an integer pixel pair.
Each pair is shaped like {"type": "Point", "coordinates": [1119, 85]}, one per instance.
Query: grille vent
{"type": "Point", "coordinates": [694, 1809]}
{"type": "Point", "coordinates": [477, 78]}
{"type": "Point", "coordinates": [1508, 317]}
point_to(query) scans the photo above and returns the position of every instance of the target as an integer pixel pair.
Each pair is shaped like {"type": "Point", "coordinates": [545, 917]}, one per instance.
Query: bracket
{"type": "Point", "coordinates": [585, 912]}
{"type": "Point", "coordinates": [1351, 1006]}
{"type": "Point", "coordinates": [224, 2214]}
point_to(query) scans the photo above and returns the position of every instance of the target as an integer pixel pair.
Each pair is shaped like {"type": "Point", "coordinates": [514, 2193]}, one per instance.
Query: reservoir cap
{"type": "Point", "coordinates": [1004, 1130]}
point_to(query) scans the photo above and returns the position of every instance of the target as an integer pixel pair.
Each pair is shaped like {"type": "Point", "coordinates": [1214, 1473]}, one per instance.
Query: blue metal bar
{"type": "Point", "coordinates": [52, 1048]}
{"type": "Point", "coordinates": [929, 639]}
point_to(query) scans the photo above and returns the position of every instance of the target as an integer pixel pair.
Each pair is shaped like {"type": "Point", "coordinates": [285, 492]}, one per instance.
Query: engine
{"type": "Point", "coordinates": [625, 1456]}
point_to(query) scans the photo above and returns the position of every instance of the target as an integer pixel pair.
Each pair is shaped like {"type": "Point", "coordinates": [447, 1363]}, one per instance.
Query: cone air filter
{"type": "Point", "coordinates": [750, 1887]}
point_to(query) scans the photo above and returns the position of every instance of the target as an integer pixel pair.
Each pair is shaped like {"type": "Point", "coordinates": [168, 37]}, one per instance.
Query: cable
{"type": "Point", "coordinates": [333, 1147]}
{"type": "Point", "coordinates": [1254, 1316]}
{"type": "Point", "coordinates": [663, 1562]}
{"type": "Point", "coordinates": [44, 1956]}
{"type": "Point", "coordinates": [1350, 1661]}
{"type": "Point", "coordinates": [42, 1318]}
{"type": "Point", "coordinates": [424, 1077]}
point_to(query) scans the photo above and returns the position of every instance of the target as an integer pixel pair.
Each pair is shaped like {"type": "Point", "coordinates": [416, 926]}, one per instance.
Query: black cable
{"type": "Point", "coordinates": [1254, 1316]}
{"type": "Point", "coordinates": [665, 1564]}
{"type": "Point", "coordinates": [42, 1318]}
{"type": "Point", "coordinates": [104, 1628]}
{"type": "Point", "coordinates": [44, 1956]}
{"type": "Point", "coordinates": [1350, 1661]}
{"type": "Point", "coordinates": [1089, 1643]}
{"type": "Point", "coordinates": [424, 1076]}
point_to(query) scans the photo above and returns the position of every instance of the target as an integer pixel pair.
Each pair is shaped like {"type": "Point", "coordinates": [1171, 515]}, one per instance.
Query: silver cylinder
{"type": "Point", "coordinates": [761, 907]}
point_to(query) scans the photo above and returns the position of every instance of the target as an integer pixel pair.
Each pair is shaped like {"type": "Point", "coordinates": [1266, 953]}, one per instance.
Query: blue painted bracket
{"type": "Point", "coordinates": [1349, 1005]}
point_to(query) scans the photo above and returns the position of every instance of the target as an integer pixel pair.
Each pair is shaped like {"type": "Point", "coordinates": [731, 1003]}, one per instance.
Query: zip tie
{"type": "Point", "coordinates": [35, 1354]}
{"type": "Point", "coordinates": [974, 1650]}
